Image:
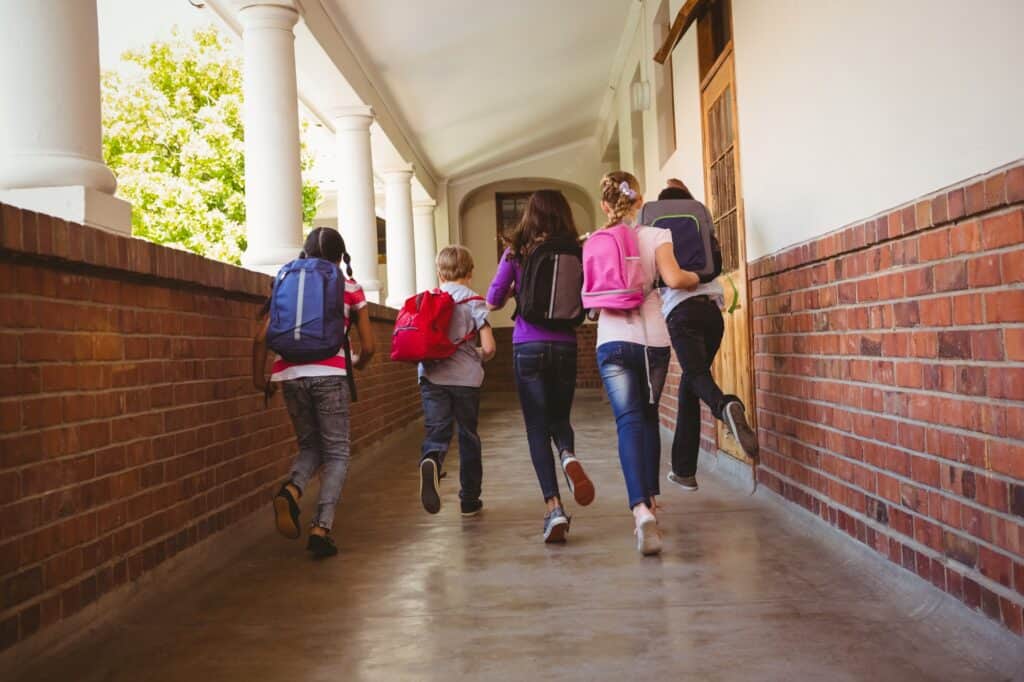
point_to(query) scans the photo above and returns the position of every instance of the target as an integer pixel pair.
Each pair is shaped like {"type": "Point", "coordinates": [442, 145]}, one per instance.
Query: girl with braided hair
{"type": "Point", "coordinates": [633, 356]}
{"type": "Point", "coordinates": [317, 396]}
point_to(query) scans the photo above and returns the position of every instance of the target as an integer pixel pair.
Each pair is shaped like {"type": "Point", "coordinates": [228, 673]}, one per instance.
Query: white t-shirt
{"type": "Point", "coordinates": [645, 325]}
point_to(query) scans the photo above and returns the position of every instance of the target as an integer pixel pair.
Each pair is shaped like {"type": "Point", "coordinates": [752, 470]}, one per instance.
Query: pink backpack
{"type": "Point", "coordinates": [612, 275]}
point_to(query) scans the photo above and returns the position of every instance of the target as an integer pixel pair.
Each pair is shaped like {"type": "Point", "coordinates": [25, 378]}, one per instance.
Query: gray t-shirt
{"type": "Point", "coordinates": [465, 368]}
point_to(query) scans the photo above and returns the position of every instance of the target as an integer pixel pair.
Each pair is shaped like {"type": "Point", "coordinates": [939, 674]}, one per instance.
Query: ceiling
{"type": "Point", "coordinates": [479, 83]}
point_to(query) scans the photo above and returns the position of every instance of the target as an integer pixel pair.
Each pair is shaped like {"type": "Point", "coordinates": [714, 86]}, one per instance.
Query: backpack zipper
{"type": "Point", "coordinates": [298, 309]}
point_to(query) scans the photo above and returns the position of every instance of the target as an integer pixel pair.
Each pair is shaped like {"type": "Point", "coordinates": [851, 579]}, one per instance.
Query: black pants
{"type": "Point", "coordinates": [696, 329]}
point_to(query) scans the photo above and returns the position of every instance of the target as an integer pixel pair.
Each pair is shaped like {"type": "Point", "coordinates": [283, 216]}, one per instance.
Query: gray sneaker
{"type": "Point", "coordinates": [736, 419]}
{"type": "Point", "coordinates": [556, 525]}
{"type": "Point", "coordinates": [684, 482]}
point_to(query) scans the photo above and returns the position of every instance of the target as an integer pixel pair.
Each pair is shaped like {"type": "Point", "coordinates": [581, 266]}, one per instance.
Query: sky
{"type": "Point", "coordinates": [128, 24]}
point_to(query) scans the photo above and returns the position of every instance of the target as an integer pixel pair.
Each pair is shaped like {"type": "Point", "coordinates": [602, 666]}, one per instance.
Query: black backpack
{"type": "Point", "coordinates": [693, 234]}
{"type": "Point", "coordinates": [549, 292]}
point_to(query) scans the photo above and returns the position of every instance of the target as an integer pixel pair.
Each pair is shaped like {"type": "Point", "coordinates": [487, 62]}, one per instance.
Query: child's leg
{"type": "Point", "coordinates": [657, 363]}
{"type": "Point", "coordinates": [530, 368]}
{"type": "Point", "coordinates": [301, 408]}
{"type": "Point", "coordinates": [331, 399]}
{"type": "Point", "coordinates": [686, 442]}
{"type": "Point", "coordinates": [560, 389]}
{"type": "Point", "coordinates": [466, 401]}
{"type": "Point", "coordinates": [622, 371]}
{"type": "Point", "coordinates": [696, 328]}
{"type": "Point", "coordinates": [438, 415]}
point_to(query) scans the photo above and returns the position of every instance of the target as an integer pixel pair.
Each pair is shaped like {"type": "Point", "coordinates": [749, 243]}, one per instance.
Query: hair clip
{"type": "Point", "coordinates": [627, 190]}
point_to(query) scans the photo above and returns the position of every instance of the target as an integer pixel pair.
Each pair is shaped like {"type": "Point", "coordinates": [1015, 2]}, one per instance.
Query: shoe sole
{"type": "Point", "coordinates": [682, 485]}
{"type": "Point", "coordinates": [648, 540]}
{"type": "Point", "coordinates": [580, 484]}
{"type": "Point", "coordinates": [557, 532]}
{"type": "Point", "coordinates": [430, 495]}
{"type": "Point", "coordinates": [475, 512]}
{"type": "Point", "coordinates": [750, 448]}
{"type": "Point", "coordinates": [286, 526]}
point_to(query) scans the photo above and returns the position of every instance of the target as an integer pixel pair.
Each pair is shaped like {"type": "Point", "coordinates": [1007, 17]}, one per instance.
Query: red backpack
{"type": "Point", "coordinates": [421, 329]}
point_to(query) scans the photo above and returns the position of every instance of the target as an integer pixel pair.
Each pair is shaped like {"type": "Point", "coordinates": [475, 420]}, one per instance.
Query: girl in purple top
{"type": "Point", "coordinates": [545, 363]}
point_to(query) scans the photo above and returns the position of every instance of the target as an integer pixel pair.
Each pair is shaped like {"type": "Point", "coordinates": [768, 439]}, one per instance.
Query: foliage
{"type": "Point", "coordinates": [173, 135]}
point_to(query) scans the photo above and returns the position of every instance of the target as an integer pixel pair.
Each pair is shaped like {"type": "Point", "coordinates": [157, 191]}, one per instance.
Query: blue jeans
{"type": "Point", "coordinates": [546, 380]}
{"type": "Point", "coordinates": [319, 408]}
{"type": "Point", "coordinates": [443, 406]}
{"type": "Point", "coordinates": [633, 377]}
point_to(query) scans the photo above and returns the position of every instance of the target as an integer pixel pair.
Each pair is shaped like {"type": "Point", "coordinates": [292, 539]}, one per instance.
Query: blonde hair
{"type": "Point", "coordinates": [621, 203]}
{"type": "Point", "coordinates": [454, 262]}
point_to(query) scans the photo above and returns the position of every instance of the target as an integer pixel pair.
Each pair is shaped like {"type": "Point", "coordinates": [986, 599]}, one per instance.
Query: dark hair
{"type": "Point", "coordinates": [327, 243]}
{"type": "Point", "coordinates": [547, 215]}
{"type": "Point", "coordinates": [674, 193]}
{"type": "Point", "coordinates": [322, 242]}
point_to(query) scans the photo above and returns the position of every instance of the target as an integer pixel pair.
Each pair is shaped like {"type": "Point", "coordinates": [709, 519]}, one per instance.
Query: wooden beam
{"type": "Point", "coordinates": [684, 19]}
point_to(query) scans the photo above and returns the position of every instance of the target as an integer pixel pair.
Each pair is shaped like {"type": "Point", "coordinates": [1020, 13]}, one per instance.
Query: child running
{"type": "Point", "coordinates": [633, 357]}
{"type": "Point", "coordinates": [317, 396]}
{"type": "Point", "coordinates": [694, 320]}
{"type": "Point", "coordinates": [450, 388]}
{"type": "Point", "coordinates": [544, 355]}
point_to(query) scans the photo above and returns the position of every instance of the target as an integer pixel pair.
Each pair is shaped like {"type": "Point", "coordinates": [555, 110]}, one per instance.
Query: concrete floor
{"type": "Point", "coordinates": [744, 590]}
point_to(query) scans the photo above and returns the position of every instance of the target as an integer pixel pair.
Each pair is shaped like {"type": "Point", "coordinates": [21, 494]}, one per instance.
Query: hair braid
{"type": "Point", "coordinates": [622, 204]}
{"type": "Point", "coordinates": [347, 259]}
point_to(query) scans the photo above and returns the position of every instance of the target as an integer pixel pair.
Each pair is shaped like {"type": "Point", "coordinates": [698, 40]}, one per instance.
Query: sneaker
{"type": "Point", "coordinates": [556, 525]}
{"type": "Point", "coordinates": [321, 546]}
{"type": "Point", "coordinates": [430, 493]}
{"type": "Point", "coordinates": [684, 482]}
{"type": "Point", "coordinates": [472, 507]}
{"type": "Point", "coordinates": [736, 419]}
{"type": "Point", "coordinates": [286, 514]}
{"type": "Point", "coordinates": [648, 537]}
{"type": "Point", "coordinates": [580, 485]}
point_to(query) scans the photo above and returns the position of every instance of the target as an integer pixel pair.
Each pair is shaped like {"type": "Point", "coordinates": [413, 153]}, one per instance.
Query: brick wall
{"type": "Point", "coordinates": [889, 360]}
{"type": "Point", "coordinates": [129, 430]}
{"type": "Point", "coordinates": [501, 377]}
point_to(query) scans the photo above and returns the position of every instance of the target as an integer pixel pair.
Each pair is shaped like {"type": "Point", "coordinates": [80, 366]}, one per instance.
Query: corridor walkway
{"type": "Point", "coordinates": [743, 591]}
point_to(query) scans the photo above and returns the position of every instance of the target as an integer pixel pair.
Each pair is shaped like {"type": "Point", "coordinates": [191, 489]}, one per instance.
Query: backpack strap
{"type": "Point", "coordinates": [471, 334]}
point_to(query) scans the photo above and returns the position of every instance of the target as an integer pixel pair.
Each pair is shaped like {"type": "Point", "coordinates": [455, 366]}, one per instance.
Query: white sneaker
{"type": "Point", "coordinates": [648, 537]}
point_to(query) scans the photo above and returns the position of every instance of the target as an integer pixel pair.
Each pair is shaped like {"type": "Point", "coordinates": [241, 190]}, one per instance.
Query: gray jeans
{"type": "Point", "coordinates": [319, 408]}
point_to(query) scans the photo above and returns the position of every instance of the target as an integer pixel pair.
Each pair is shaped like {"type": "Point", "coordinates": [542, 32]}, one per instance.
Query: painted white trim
{"type": "Point", "coordinates": [632, 24]}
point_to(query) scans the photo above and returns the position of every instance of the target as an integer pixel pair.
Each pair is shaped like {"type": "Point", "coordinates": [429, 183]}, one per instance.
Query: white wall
{"type": "Point", "coordinates": [846, 109]}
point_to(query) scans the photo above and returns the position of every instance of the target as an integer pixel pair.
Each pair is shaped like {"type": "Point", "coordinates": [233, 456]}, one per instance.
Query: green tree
{"type": "Point", "coordinates": [173, 135]}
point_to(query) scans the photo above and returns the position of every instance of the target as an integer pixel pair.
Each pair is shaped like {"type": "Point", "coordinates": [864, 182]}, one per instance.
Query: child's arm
{"type": "Point", "coordinates": [487, 345]}
{"type": "Point", "coordinates": [672, 275]}
{"type": "Point", "coordinates": [501, 285]}
{"type": "Point", "coordinates": [259, 359]}
{"type": "Point", "coordinates": [367, 344]}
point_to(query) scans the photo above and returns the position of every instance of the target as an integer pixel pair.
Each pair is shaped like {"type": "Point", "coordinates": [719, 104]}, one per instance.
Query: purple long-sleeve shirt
{"type": "Point", "coordinates": [506, 281]}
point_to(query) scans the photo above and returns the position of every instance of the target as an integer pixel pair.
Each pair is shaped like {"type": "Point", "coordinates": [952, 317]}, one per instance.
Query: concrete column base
{"type": "Point", "coordinates": [81, 205]}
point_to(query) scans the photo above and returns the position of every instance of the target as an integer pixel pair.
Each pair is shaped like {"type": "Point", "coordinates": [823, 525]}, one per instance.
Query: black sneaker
{"type": "Point", "coordinates": [684, 482]}
{"type": "Point", "coordinates": [430, 493]}
{"type": "Point", "coordinates": [472, 507]}
{"type": "Point", "coordinates": [556, 525]}
{"type": "Point", "coordinates": [736, 419]}
{"type": "Point", "coordinates": [322, 546]}
{"type": "Point", "coordinates": [286, 514]}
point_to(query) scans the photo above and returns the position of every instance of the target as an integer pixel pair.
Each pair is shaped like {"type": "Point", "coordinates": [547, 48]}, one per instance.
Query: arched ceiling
{"type": "Point", "coordinates": [481, 83]}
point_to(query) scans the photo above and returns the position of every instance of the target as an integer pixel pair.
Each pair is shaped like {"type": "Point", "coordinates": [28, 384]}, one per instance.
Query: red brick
{"type": "Point", "coordinates": [1005, 306]}
{"type": "Point", "coordinates": [974, 201]}
{"type": "Point", "coordinates": [950, 276]}
{"type": "Point", "coordinates": [984, 271]}
{"type": "Point", "coordinates": [995, 191]}
{"type": "Point", "coordinates": [995, 566]}
{"type": "Point", "coordinates": [1015, 185]}
{"type": "Point", "coordinates": [935, 312]}
{"type": "Point", "coordinates": [1002, 230]}
{"type": "Point", "coordinates": [934, 245]}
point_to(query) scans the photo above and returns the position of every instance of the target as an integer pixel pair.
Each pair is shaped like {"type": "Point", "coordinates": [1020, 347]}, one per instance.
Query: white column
{"type": "Point", "coordinates": [273, 181]}
{"type": "Point", "coordinates": [357, 219]}
{"type": "Point", "coordinates": [51, 157]}
{"type": "Point", "coordinates": [426, 244]}
{"type": "Point", "coordinates": [398, 214]}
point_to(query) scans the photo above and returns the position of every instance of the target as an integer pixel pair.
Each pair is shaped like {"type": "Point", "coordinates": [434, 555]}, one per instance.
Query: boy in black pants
{"type": "Point", "coordinates": [694, 320]}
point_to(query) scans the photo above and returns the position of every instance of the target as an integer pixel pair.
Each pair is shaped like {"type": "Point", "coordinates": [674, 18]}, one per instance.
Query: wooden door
{"type": "Point", "coordinates": [733, 367]}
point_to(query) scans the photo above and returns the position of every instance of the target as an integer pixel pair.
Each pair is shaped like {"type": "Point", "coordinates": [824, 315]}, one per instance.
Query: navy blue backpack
{"type": "Point", "coordinates": [307, 318]}
{"type": "Point", "coordinates": [693, 238]}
